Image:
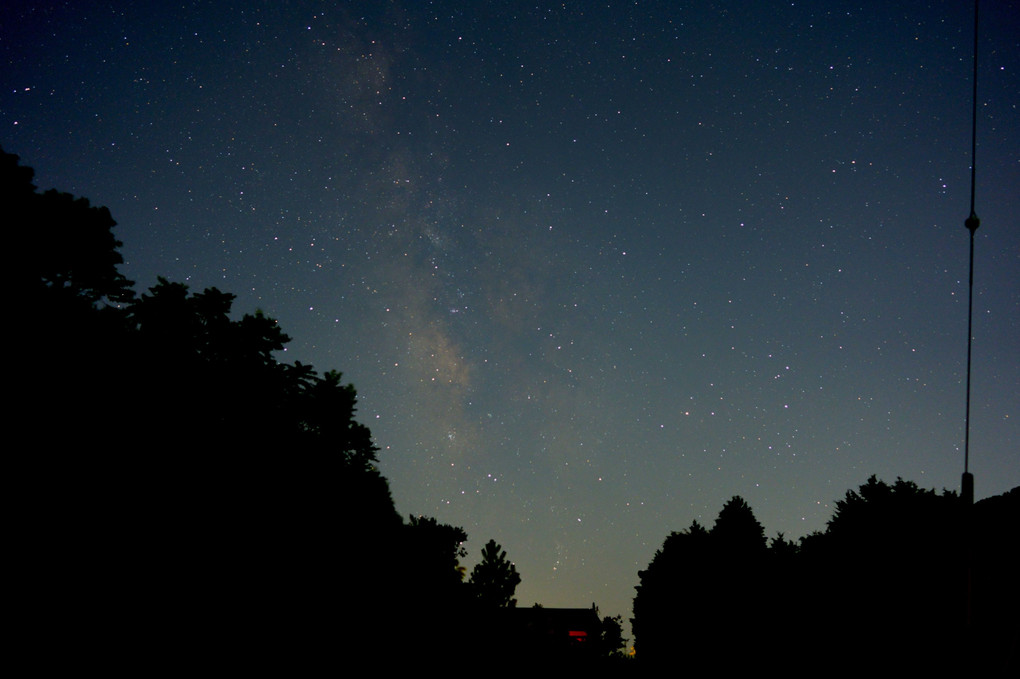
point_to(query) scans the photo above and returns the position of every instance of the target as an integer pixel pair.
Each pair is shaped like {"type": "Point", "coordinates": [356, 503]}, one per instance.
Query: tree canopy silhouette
{"type": "Point", "coordinates": [494, 579]}
{"type": "Point", "coordinates": [195, 497]}
{"type": "Point", "coordinates": [63, 246]}
{"type": "Point", "coordinates": [611, 642]}
{"type": "Point", "coordinates": [736, 532]}
{"type": "Point", "coordinates": [885, 583]}
{"type": "Point", "coordinates": [700, 592]}
{"type": "Point", "coordinates": [188, 491]}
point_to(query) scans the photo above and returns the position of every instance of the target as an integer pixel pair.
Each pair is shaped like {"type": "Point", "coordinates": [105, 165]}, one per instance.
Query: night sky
{"type": "Point", "coordinates": [593, 268]}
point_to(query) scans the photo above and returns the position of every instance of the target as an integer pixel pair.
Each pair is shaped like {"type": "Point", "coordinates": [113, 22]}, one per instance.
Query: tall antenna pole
{"type": "Point", "coordinates": [972, 223]}
{"type": "Point", "coordinates": [967, 482]}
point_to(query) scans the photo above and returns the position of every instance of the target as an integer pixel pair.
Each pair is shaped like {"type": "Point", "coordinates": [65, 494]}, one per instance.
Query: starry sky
{"type": "Point", "coordinates": [593, 268]}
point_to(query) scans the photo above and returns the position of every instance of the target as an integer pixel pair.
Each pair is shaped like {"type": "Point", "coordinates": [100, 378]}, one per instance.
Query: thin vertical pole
{"type": "Point", "coordinates": [972, 223]}
{"type": "Point", "coordinates": [967, 482]}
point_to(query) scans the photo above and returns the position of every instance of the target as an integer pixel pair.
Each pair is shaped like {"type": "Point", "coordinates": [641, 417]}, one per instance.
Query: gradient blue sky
{"type": "Point", "coordinates": [594, 268]}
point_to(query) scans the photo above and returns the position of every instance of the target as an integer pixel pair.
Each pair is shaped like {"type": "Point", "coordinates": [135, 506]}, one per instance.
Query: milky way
{"type": "Point", "coordinates": [592, 270]}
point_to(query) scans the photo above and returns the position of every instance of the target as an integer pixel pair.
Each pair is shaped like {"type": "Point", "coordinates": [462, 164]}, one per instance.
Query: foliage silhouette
{"type": "Point", "coordinates": [900, 556]}
{"type": "Point", "coordinates": [699, 595]}
{"type": "Point", "coordinates": [437, 549]}
{"type": "Point", "coordinates": [736, 532]}
{"type": "Point", "coordinates": [611, 642]}
{"type": "Point", "coordinates": [494, 579]}
{"type": "Point", "coordinates": [883, 584]}
{"type": "Point", "coordinates": [424, 597]}
{"type": "Point", "coordinates": [190, 496]}
{"type": "Point", "coordinates": [674, 572]}
{"type": "Point", "coordinates": [66, 251]}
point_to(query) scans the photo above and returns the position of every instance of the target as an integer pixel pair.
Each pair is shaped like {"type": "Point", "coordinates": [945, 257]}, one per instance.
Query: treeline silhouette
{"type": "Point", "coordinates": [902, 579]}
{"type": "Point", "coordinates": [183, 500]}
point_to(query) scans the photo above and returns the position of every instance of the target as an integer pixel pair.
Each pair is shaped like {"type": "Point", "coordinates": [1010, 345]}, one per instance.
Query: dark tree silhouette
{"type": "Point", "coordinates": [62, 247]}
{"type": "Point", "coordinates": [736, 532]}
{"type": "Point", "coordinates": [611, 642]}
{"type": "Point", "coordinates": [494, 579]}
{"type": "Point", "coordinates": [700, 597]}
{"type": "Point", "coordinates": [283, 496]}
{"type": "Point", "coordinates": [671, 596]}
{"type": "Point", "coordinates": [62, 263]}
{"type": "Point", "coordinates": [426, 592]}
{"type": "Point", "coordinates": [993, 553]}
{"type": "Point", "coordinates": [883, 586]}
{"type": "Point", "coordinates": [888, 575]}
{"type": "Point", "coordinates": [188, 496]}
{"type": "Point", "coordinates": [436, 549]}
